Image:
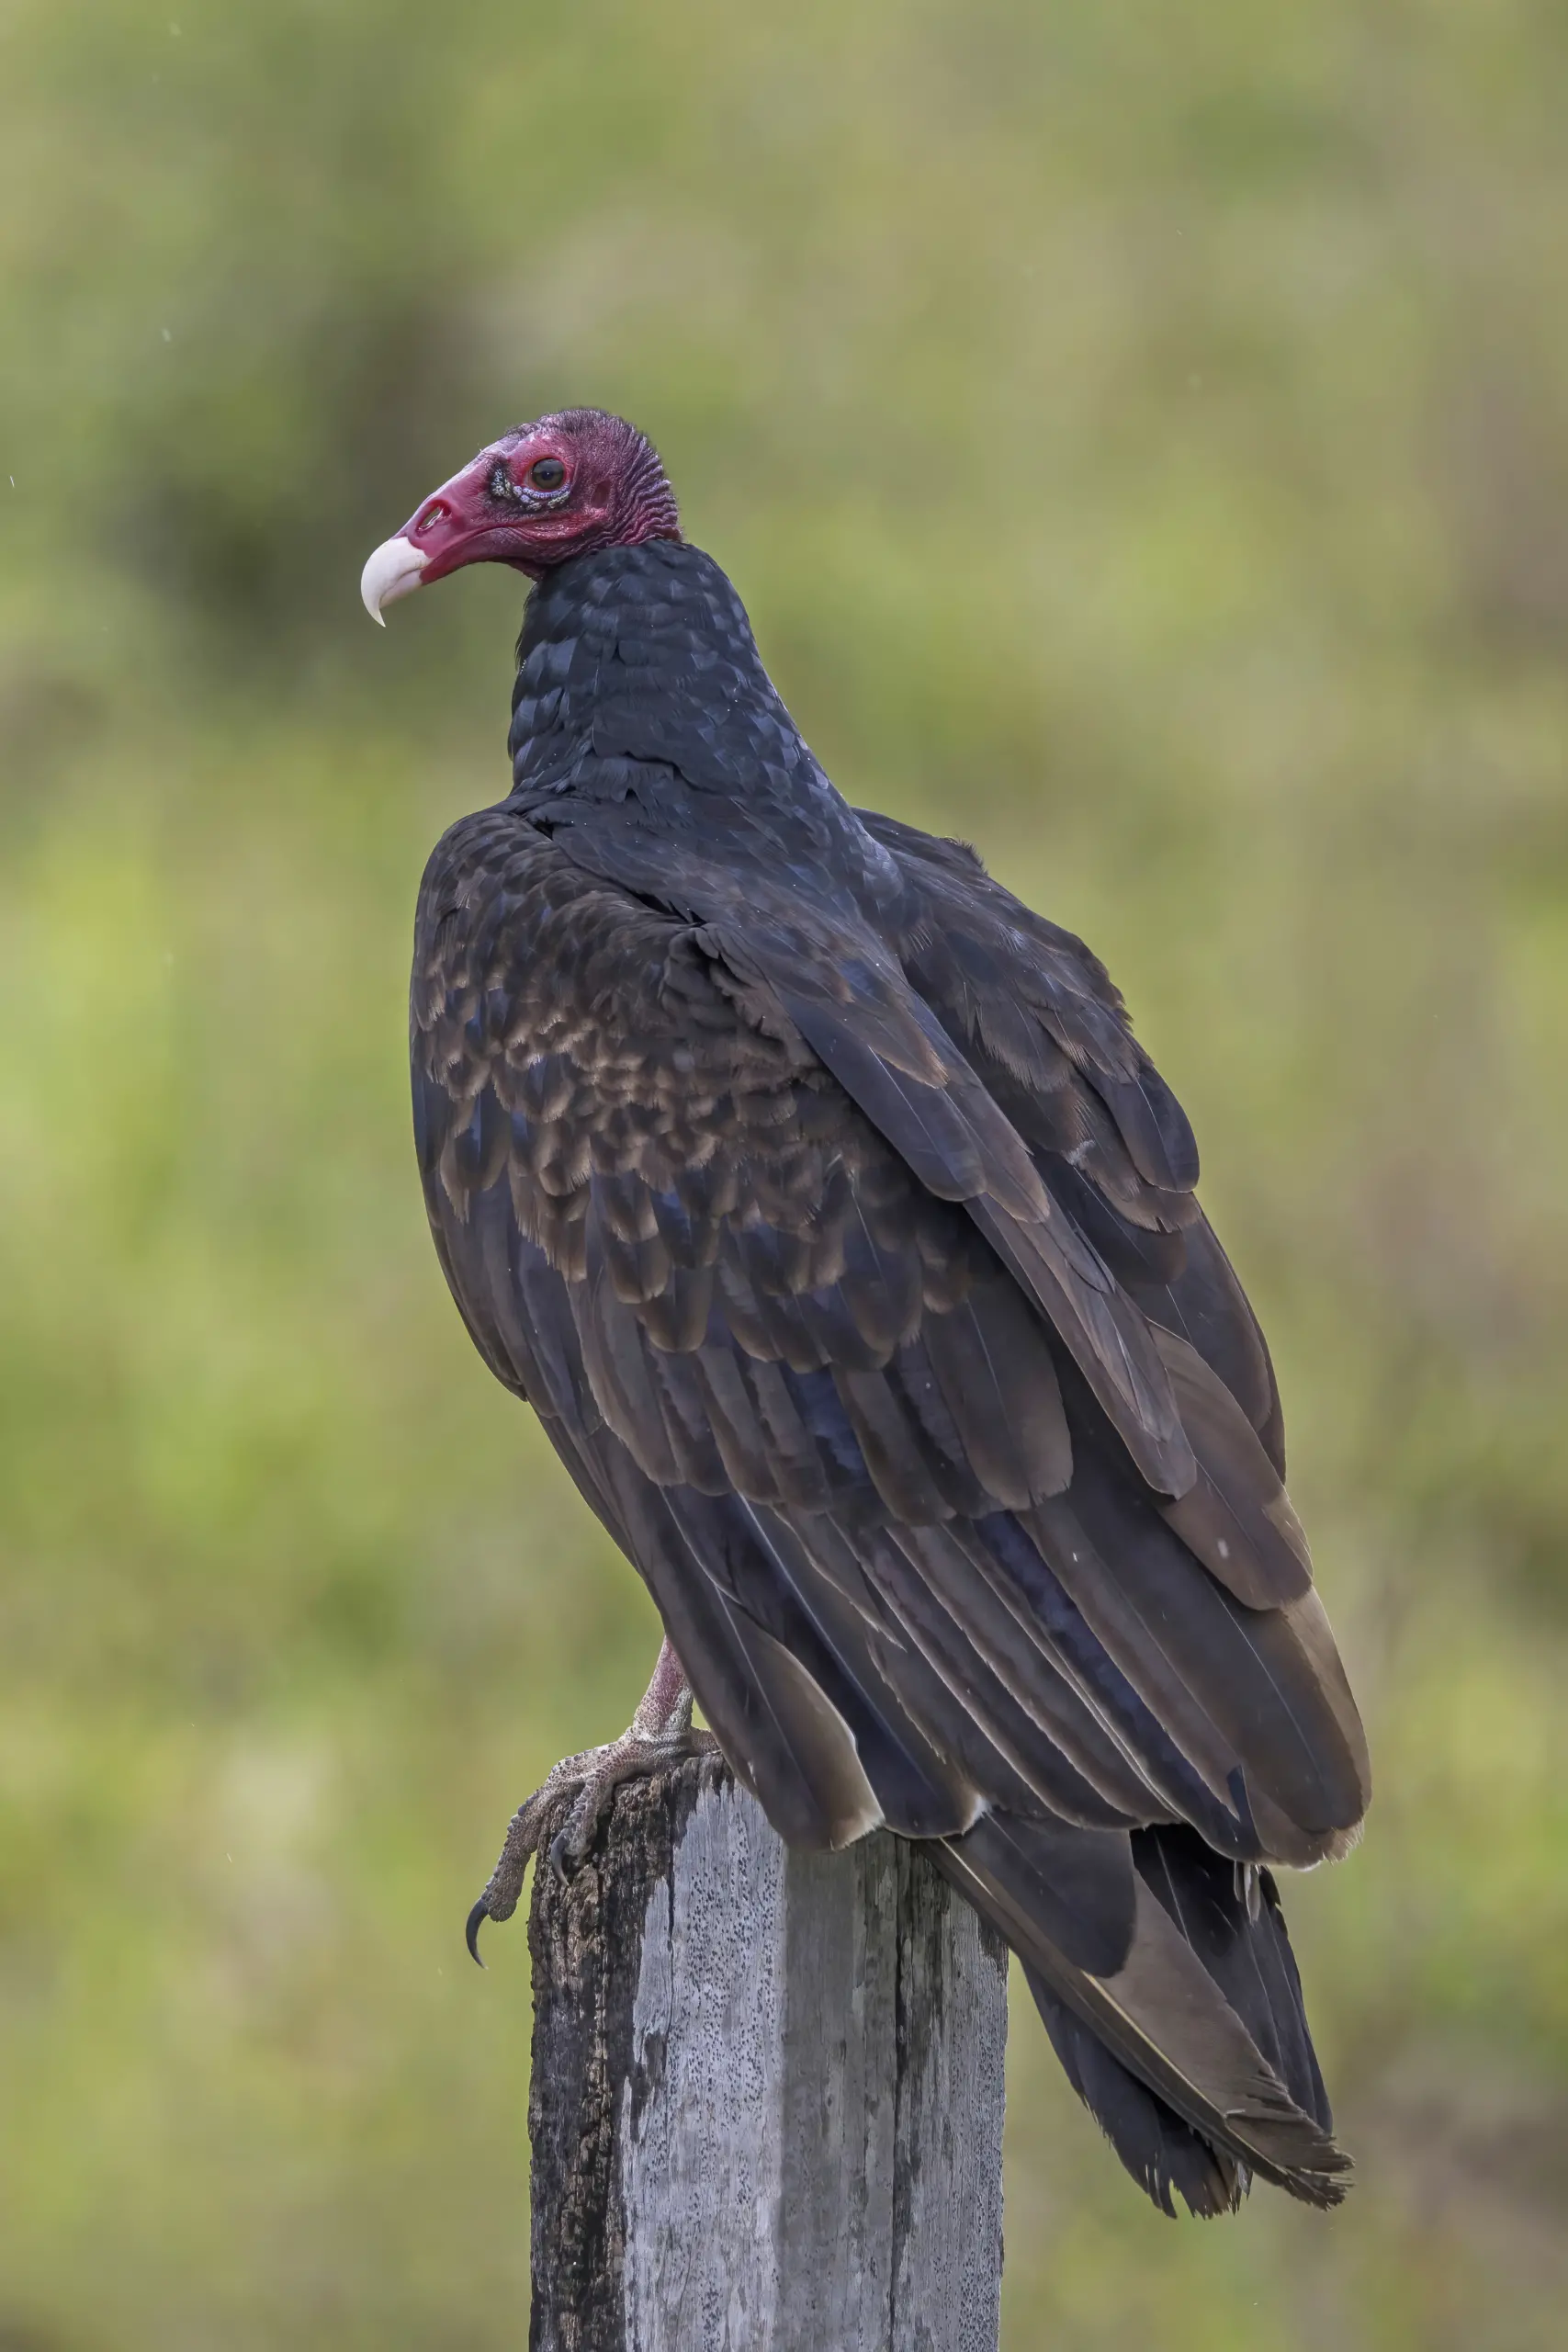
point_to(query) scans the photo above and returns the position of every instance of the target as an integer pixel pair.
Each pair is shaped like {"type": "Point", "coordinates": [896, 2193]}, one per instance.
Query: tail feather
{"type": "Point", "coordinates": [1163, 2153]}
{"type": "Point", "coordinates": [1235, 1923]}
{"type": "Point", "coordinates": [1195, 2054]}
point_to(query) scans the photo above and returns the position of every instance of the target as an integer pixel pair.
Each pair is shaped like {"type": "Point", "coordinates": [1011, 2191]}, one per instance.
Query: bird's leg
{"type": "Point", "coordinates": [659, 1733]}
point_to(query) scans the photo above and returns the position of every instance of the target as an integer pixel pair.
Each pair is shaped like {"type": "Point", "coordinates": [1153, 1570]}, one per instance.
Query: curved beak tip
{"type": "Point", "coordinates": [394, 569]}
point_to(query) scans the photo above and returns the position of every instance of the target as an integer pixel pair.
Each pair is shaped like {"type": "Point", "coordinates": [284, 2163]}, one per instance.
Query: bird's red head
{"type": "Point", "coordinates": [541, 494]}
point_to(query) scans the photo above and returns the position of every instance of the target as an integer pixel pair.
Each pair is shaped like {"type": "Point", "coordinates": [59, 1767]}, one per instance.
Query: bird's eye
{"type": "Point", "coordinates": [546, 473]}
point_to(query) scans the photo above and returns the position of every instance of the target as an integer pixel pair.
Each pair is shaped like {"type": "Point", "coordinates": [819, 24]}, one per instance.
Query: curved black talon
{"type": "Point", "coordinates": [557, 1858]}
{"type": "Point", "coordinates": [477, 1916]}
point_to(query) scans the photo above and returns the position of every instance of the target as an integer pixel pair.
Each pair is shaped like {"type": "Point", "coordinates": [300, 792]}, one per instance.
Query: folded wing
{"type": "Point", "coordinates": [965, 1514]}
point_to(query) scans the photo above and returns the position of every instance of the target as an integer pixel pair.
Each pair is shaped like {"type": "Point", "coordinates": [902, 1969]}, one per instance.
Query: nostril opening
{"type": "Point", "coordinates": [434, 512]}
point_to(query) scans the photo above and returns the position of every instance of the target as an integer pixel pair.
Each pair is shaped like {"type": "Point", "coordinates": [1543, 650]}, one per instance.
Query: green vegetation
{"type": "Point", "coordinates": [1140, 434]}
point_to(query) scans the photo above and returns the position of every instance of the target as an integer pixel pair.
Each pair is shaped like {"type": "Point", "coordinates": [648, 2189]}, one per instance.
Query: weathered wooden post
{"type": "Point", "coordinates": [767, 2094]}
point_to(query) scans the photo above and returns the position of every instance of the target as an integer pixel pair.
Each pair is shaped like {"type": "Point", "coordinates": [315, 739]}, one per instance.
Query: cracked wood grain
{"type": "Point", "coordinates": [767, 2094]}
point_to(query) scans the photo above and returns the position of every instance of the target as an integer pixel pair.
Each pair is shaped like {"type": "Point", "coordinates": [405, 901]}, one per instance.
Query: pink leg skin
{"type": "Point", "coordinates": [660, 1733]}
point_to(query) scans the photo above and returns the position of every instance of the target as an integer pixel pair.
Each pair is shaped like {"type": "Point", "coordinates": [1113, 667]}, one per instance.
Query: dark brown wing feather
{"type": "Point", "coordinates": [1045, 1029]}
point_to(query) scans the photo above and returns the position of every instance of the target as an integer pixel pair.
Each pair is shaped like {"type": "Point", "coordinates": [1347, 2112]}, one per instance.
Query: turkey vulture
{"type": "Point", "coordinates": [817, 1195]}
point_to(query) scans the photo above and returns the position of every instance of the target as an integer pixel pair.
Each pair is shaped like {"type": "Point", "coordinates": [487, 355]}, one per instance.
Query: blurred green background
{"type": "Point", "coordinates": [1141, 435]}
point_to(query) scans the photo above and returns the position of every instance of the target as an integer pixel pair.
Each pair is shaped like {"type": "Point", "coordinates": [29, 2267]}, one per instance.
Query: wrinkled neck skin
{"type": "Point", "coordinates": [645, 727]}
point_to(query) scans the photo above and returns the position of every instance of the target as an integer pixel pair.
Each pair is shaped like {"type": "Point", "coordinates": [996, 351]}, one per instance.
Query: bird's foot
{"type": "Point", "coordinates": [660, 1734]}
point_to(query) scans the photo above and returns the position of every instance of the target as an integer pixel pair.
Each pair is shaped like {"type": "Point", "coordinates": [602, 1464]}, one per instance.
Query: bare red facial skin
{"type": "Point", "coordinates": [612, 492]}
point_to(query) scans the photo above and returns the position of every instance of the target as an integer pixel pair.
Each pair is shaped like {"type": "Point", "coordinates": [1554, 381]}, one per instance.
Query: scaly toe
{"type": "Point", "coordinates": [595, 1774]}
{"type": "Point", "coordinates": [578, 1831]}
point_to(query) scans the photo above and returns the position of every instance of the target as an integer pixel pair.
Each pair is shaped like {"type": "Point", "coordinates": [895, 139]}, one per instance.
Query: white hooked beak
{"type": "Point", "coordinates": [392, 572]}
